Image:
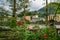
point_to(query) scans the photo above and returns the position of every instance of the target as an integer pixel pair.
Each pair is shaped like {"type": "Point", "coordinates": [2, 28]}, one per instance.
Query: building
{"type": "Point", "coordinates": [57, 18]}
{"type": "Point", "coordinates": [35, 18]}
{"type": "Point", "coordinates": [27, 17]}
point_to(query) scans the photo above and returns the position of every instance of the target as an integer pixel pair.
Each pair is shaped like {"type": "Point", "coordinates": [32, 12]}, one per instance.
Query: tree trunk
{"type": "Point", "coordinates": [46, 11]}
{"type": "Point", "coordinates": [14, 10]}
{"type": "Point", "coordinates": [24, 17]}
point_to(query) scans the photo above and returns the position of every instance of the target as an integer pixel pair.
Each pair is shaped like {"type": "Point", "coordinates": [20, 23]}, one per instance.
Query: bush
{"type": "Point", "coordinates": [28, 22]}
{"type": "Point", "coordinates": [38, 34]}
{"type": "Point", "coordinates": [50, 32]}
{"type": "Point", "coordinates": [12, 22]}
{"type": "Point", "coordinates": [20, 31]}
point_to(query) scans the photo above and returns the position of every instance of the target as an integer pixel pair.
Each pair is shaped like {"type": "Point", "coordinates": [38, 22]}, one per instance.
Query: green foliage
{"type": "Point", "coordinates": [12, 22]}
{"type": "Point", "coordinates": [28, 22]}
{"type": "Point", "coordinates": [51, 33]}
{"type": "Point", "coordinates": [37, 34]}
{"type": "Point", "coordinates": [56, 6]}
{"type": "Point", "coordinates": [22, 33]}
{"type": "Point", "coordinates": [26, 14]}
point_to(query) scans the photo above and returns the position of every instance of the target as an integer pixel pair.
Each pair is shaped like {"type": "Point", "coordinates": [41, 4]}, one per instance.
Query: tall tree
{"type": "Point", "coordinates": [14, 10]}
{"type": "Point", "coordinates": [57, 8]}
{"type": "Point", "coordinates": [15, 5]}
{"type": "Point", "coordinates": [46, 11]}
{"type": "Point", "coordinates": [24, 5]}
{"type": "Point", "coordinates": [18, 5]}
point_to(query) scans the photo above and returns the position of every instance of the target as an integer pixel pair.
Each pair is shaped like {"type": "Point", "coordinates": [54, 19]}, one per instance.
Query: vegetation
{"type": "Point", "coordinates": [23, 33]}
{"type": "Point", "coordinates": [57, 8]}
{"type": "Point", "coordinates": [18, 30]}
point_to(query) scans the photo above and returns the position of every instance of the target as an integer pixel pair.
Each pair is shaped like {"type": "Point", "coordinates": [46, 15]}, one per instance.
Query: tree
{"type": "Point", "coordinates": [14, 10]}
{"type": "Point", "coordinates": [18, 5]}
{"type": "Point", "coordinates": [46, 11]}
{"type": "Point", "coordinates": [24, 5]}
{"type": "Point", "coordinates": [57, 8]}
{"type": "Point", "coordinates": [15, 5]}
{"type": "Point", "coordinates": [2, 13]}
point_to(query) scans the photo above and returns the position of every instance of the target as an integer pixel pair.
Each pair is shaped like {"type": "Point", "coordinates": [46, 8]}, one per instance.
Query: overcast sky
{"type": "Point", "coordinates": [37, 4]}
{"type": "Point", "coordinates": [34, 5]}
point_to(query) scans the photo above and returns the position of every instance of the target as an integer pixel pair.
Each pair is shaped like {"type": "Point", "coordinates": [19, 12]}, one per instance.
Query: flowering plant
{"type": "Point", "coordinates": [19, 23]}
{"type": "Point", "coordinates": [44, 35]}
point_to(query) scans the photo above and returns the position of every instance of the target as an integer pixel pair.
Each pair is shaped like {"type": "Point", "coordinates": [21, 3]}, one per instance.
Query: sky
{"type": "Point", "coordinates": [37, 4]}
{"type": "Point", "coordinates": [4, 4]}
{"type": "Point", "coordinates": [34, 5]}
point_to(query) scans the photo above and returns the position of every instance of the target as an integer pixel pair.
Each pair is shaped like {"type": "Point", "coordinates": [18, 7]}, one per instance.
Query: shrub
{"type": "Point", "coordinates": [47, 33]}
{"type": "Point", "coordinates": [12, 22]}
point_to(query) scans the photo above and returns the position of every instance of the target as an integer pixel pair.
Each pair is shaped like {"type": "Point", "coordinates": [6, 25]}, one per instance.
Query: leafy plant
{"type": "Point", "coordinates": [12, 22]}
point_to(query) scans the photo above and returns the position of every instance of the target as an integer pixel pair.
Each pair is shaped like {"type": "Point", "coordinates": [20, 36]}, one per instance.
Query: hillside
{"type": "Point", "coordinates": [52, 8]}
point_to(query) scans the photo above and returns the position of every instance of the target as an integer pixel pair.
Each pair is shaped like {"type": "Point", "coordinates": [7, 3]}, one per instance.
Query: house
{"type": "Point", "coordinates": [35, 18]}
{"type": "Point", "coordinates": [57, 18]}
{"type": "Point", "coordinates": [27, 17]}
